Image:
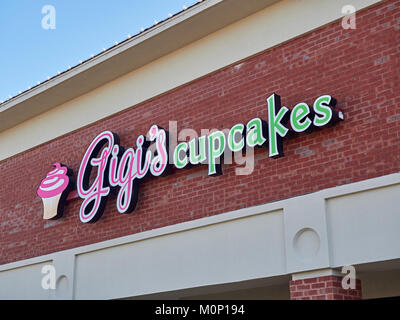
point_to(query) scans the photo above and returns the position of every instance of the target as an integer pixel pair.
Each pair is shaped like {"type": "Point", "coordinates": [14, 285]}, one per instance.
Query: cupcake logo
{"type": "Point", "coordinates": [54, 190]}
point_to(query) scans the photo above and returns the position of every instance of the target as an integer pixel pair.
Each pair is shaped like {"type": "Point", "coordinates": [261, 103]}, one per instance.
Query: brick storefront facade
{"type": "Point", "coordinates": [323, 288]}
{"type": "Point", "coordinates": [357, 67]}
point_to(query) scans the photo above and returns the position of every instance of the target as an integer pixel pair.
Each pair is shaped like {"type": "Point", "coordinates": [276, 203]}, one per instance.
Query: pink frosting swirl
{"type": "Point", "coordinates": [55, 183]}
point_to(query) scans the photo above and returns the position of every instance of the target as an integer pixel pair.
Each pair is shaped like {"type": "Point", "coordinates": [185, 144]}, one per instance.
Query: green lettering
{"type": "Point", "coordinates": [276, 131]}
{"type": "Point", "coordinates": [232, 144]}
{"type": "Point", "coordinates": [178, 161]}
{"type": "Point", "coordinates": [214, 151]}
{"type": "Point", "coordinates": [197, 150]}
{"type": "Point", "coordinates": [323, 111]}
{"type": "Point", "coordinates": [300, 112]}
{"type": "Point", "coordinates": [255, 136]}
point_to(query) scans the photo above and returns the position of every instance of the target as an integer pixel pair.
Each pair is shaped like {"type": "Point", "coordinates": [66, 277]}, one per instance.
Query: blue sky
{"type": "Point", "coordinates": [29, 53]}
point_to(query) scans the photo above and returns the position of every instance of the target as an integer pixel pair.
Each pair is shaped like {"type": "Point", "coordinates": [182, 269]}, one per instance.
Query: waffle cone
{"type": "Point", "coordinates": [50, 206]}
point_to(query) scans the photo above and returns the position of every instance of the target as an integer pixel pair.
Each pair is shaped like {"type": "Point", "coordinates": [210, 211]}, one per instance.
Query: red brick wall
{"type": "Point", "coordinates": [323, 288]}
{"type": "Point", "coordinates": [360, 68]}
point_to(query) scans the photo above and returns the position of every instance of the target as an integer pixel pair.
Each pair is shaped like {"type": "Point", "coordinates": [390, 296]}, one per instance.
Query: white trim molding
{"type": "Point", "coordinates": [259, 242]}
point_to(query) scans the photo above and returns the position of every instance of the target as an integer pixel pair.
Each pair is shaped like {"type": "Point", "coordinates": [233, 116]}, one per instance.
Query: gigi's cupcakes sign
{"type": "Point", "coordinates": [118, 168]}
{"type": "Point", "coordinates": [123, 169]}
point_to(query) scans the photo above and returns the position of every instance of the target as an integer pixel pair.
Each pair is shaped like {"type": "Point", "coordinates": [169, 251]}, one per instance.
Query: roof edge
{"type": "Point", "coordinates": [189, 25]}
